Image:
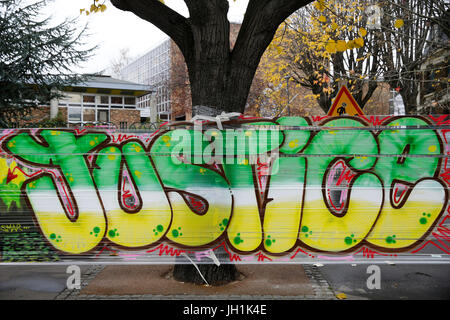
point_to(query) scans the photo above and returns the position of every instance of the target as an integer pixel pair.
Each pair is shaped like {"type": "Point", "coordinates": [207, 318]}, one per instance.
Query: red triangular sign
{"type": "Point", "coordinates": [345, 105]}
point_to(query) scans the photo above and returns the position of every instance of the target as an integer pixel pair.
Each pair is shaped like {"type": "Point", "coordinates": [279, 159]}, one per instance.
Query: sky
{"type": "Point", "coordinates": [114, 29]}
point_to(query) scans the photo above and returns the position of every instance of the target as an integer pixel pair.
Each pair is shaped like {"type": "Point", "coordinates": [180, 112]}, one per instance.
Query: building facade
{"type": "Point", "coordinates": [153, 68]}
{"type": "Point", "coordinates": [98, 100]}
{"type": "Point", "coordinates": [434, 90]}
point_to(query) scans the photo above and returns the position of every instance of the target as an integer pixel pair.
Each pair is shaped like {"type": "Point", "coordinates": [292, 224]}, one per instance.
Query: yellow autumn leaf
{"type": "Point", "coordinates": [350, 44]}
{"type": "Point", "coordinates": [322, 19]}
{"type": "Point", "coordinates": [334, 26]}
{"type": "Point", "coordinates": [319, 5]}
{"type": "Point", "coordinates": [362, 32]}
{"type": "Point", "coordinates": [331, 46]}
{"type": "Point", "coordinates": [341, 46]}
{"type": "Point", "coordinates": [399, 23]}
{"type": "Point", "coordinates": [341, 296]}
{"type": "Point", "coordinates": [359, 42]}
{"type": "Point", "coordinates": [279, 49]}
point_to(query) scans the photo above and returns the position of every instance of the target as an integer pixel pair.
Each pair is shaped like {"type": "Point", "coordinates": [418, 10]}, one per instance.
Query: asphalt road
{"type": "Point", "coordinates": [33, 282]}
{"type": "Point", "coordinates": [397, 282]}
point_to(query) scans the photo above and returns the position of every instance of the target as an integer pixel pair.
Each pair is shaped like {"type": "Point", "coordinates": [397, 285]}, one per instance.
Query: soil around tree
{"type": "Point", "coordinates": [255, 280]}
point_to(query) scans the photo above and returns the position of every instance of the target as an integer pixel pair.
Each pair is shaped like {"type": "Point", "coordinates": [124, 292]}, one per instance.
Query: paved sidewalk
{"type": "Point", "coordinates": [33, 282]}
{"type": "Point", "coordinates": [119, 283]}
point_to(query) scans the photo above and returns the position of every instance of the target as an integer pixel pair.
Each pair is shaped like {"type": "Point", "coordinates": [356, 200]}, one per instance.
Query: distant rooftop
{"type": "Point", "coordinates": [107, 85]}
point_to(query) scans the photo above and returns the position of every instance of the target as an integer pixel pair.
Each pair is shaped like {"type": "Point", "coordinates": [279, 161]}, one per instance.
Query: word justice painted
{"type": "Point", "coordinates": [273, 188]}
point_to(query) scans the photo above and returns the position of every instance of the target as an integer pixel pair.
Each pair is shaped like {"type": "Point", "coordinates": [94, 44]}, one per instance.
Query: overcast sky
{"type": "Point", "coordinates": [114, 30]}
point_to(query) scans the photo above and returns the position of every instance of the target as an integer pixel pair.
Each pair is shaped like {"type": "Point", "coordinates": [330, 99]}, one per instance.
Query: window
{"type": "Point", "coordinates": [103, 115]}
{"type": "Point", "coordinates": [104, 99]}
{"type": "Point", "coordinates": [89, 99]}
{"type": "Point", "coordinates": [95, 107]}
{"type": "Point", "coordinates": [116, 100]}
{"type": "Point", "coordinates": [130, 100]}
{"type": "Point", "coordinates": [89, 114]}
{"type": "Point", "coordinates": [74, 114]}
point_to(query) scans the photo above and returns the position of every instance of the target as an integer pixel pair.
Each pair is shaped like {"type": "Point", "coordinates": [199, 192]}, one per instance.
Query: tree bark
{"type": "Point", "coordinates": [185, 271]}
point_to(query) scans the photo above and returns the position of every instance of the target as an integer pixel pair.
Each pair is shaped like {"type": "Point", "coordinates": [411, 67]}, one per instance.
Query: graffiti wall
{"type": "Point", "coordinates": [260, 190]}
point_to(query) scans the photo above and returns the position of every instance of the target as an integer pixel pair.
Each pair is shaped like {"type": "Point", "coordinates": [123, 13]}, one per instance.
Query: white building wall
{"type": "Point", "coordinates": [153, 69]}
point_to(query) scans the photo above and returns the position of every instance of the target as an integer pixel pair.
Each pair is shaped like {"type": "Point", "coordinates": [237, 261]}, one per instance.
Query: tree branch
{"type": "Point", "coordinates": [260, 24]}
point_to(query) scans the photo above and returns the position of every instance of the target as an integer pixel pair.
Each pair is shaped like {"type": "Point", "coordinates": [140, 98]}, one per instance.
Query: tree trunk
{"type": "Point", "coordinates": [220, 87]}
{"type": "Point", "coordinates": [410, 100]}
{"type": "Point", "coordinates": [214, 275]}
{"type": "Point", "coordinates": [185, 271]}
{"type": "Point", "coordinates": [220, 76]}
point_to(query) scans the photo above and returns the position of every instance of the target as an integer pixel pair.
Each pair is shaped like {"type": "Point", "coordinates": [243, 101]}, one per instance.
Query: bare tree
{"type": "Point", "coordinates": [404, 49]}
{"type": "Point", "coordinates": [119, 62]}
{"type": "Point", "coordinates": [322, 55]}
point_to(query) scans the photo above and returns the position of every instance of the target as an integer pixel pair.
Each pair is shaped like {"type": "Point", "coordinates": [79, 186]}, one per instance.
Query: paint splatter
{"type": "Point", "coordinates": [96, 231]}
{"type": "Point", "coordinates": [350, 240]}
{"type": "Point", "coordinates": [113, 233]}
{"type": "Point", "coordinates": [237, 240]}
{"type": "Point", "coordinates": [159, 228]}
{"type": "Point", "coordinates": [56, 238]}
{"type": "Point", "coordinates": [424, 219]}
{"type": "Point", "coordinates": [306, 232]}
{"type": "Point", "coordinates": [269, 241]}
{"type": "Point", "coordinates": [391, 239]}
{"type": "Point", "coordinates": [224, 224]}
{"type": "Point", "coordinates": [176, 233]}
